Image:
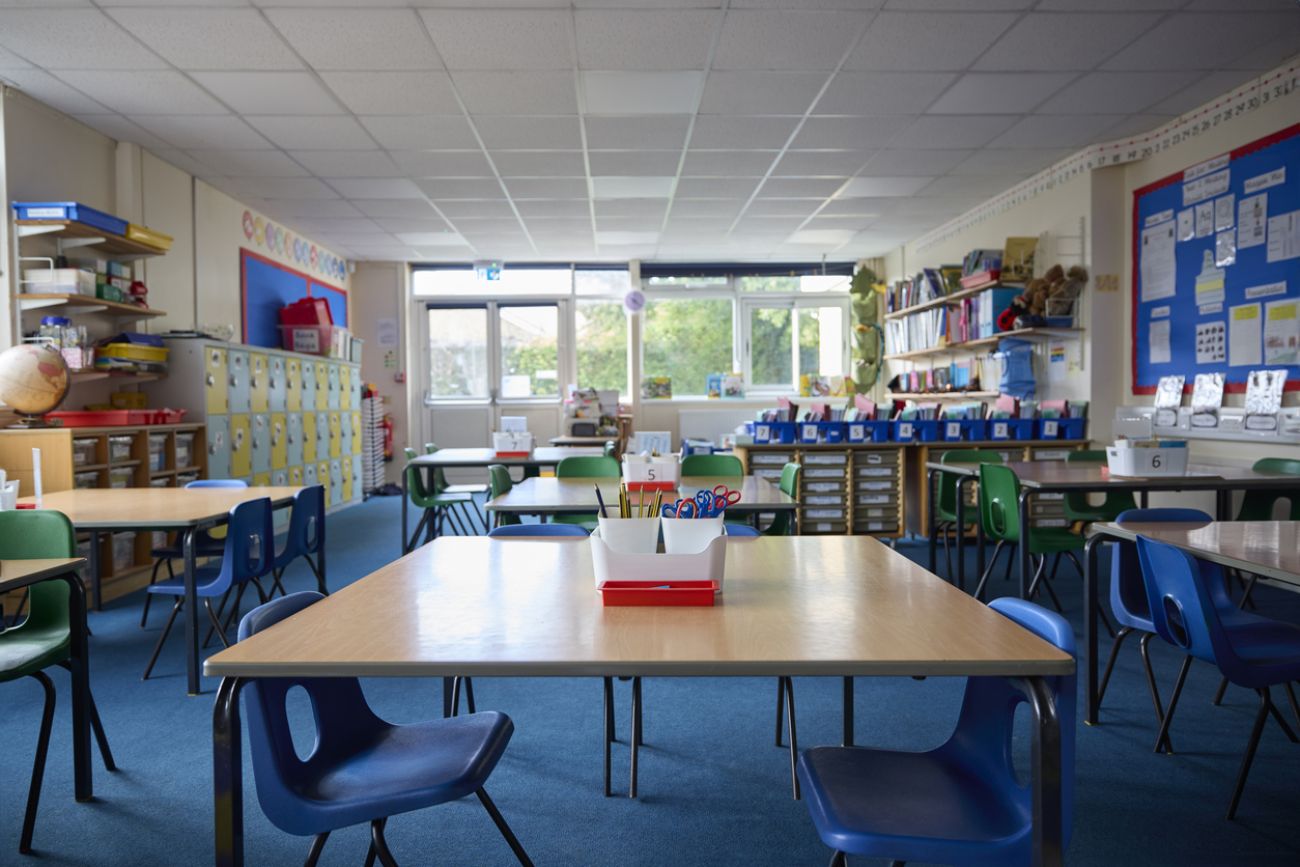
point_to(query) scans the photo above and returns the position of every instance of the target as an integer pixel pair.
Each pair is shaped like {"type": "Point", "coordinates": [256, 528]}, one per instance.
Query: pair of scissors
{"type": "Point", "coordinates": [679, 509]}
{"type": "Point", "coordinates": [724, 497]}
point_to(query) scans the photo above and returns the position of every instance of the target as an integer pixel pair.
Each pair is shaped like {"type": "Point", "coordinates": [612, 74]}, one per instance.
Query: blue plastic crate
{"type": "Point", "coordinates": [950, 430]}
{"type": "Point", "coordinates": [71, 211]}
{"type": "Point", "coordinates": [964, 429]}
{"type": "Point", "coordinates": [808, 432]}
{"type": "Point", "coordinates": [868, 431]}
{"type": "Point", "coordinates": [1012, 428]}
{"type": "Point", "coordinates": [916, 431]}
{"type": "Point", "coordinates": [778, 432]}
{"type": "Point", "coordinates": [831, 431]}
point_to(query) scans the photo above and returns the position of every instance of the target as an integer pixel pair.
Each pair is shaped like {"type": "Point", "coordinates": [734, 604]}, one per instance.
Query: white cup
{"type": "Point", "coordinates": [630, 535]}
{"type": "Point", "coordinates": [9, 495]}
{"type": "Point", "coordinates": [690, 535]}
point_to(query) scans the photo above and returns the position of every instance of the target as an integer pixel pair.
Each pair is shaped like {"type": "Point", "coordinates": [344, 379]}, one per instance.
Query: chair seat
{"type": "Point", "coordinates": [1270, 647]}
{"type": "Point", "coordinates": [437, 501]}
{"type": "Point", "coordinates": [465, 489]}
{"type": "Point", "coordinates": [26, 650]}
{"type": "Point", "coordinates": [204, 578]}
{"type": "Point", "coordinates": [399, 769]}
{"type": "Point", "coordinates": [910, 806]}
{"type": "Point", "coordinates": [204, 548]}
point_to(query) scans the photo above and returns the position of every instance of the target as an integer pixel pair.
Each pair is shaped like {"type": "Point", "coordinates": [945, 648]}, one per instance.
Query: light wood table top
{"type": "Point", "coordinates": [552, 496]}
{"type": "Point", "coordinates": [1059, 475]}
{"type": "Point", "coordinates": [828, 605]}
{"type": "Point", "coordinates": [568, 441]}
{"type": "Point", "coordinates": [541, 456]}
{"type": "Point", "coordinates": [1267, 548]}
{"type": "Point", "coordinates": [155, 508]}
{"type": "Point", "coordinates": [19, 573]}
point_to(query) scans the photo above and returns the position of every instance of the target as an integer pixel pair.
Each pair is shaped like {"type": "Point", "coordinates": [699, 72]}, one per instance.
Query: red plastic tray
{"type": "Point", "coordinates": [661, 593]}
{"type": "Point", "coordinates": [116, 417]}
{"type": "Point", "coordinates": [651, 486]}
{"type": "Point", "coordinates": [512, 454]}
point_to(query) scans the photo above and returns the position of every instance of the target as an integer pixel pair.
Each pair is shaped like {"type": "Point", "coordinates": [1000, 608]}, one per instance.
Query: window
{"type": "Point", "coordinates": [792, 285]}
{"type": "Point", "coordinates": [458, 352]}
{"type": "Point", "coordinates": [789, 339]}
{"type": "Point", "coordinates": [530, 353]}
{"type": "Point", "coordinates": [600, 338]}
{"type": "Point", "coordinates": [687, 339]}
{"type": "Point", "coordinates": [464, 282]}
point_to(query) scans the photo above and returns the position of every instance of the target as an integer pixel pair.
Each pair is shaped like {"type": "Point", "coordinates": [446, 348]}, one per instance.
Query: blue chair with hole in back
{"type": "Point", "coordinates": [306, 537]}
{"type": "Point", "coordinates": [743, 531]}
{"type": "Point", "coordinates": [1251, 651]}
{"type": "Point", "coordinates": [361, 768]}
{"type": "Point", "coordinates": [958, 804]}
{"type": "Point", "coordinates": [535, 530]}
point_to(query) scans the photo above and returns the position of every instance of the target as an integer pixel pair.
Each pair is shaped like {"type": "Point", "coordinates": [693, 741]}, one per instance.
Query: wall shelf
{"type": "Point", "coordinates": [944, 395]}
{"type": "Point", "coordinates": [73, 234]}
{"type": "Point", "coordinates": [84, 304]}
{"type": "Point", "coordinates": [950, 298]}
{"type": "Point", "coordinates": [985, 342]}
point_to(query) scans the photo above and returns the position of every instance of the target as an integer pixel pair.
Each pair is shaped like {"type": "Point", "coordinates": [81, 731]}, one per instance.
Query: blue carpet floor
{"type": "Point", "coordinates": [714, 789]}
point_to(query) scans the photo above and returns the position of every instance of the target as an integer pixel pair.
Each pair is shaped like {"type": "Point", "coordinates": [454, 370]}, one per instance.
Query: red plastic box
{"type": "Point", "coordinates": [658, 593]}
{"type": "Point", "coordinates": [306, 311]}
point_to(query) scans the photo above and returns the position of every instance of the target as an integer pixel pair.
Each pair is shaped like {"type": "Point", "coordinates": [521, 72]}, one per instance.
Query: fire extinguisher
{"type": "Point", "coordinates": [387, 424]}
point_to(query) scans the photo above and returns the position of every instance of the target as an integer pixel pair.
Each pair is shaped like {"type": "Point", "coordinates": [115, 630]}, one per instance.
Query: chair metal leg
{"type": "Point", "coordinates": [1248, 758]}
{"type": "Point", "coordinates": [794, 738]}
{"type": "Point", "coordinates": [988, 570]}
{"type": "Point", "coordinates": [317, 845]}
{"type": "Point", "coordinates": [320, 576]}
{"type": "Point", "coordinates": [608, 691]}
{"type": "Point", "coordinates": [98, 728]}
{"type": "Point", "coordinates": [469, 694]}
{"type": "Point", "coordinates": [148, 597]}
{"type": "Point", "coordinates": [846, 739]}
{"type": "Point", "coordinates": [1218, 693]}
{"type": "Point", "coordinates": [1152, 688]}
{"type": "Point", "coordinates": [839, 859]}
{"type": "Point", "coordinates": [1295, 708]}
{"type": "Point", "coordinates": [38, 766]}
{"type": "Point", "coordinates": [157, 648]}
{"type": "Point", "coordinates": [216, 623]}
{"type": "Point", "coordinates": [381, 845]}
{"type": "Point", "coordinates": [780, 709]}
{"type": "Point", "coordinates": [1162, 737]}
{"type": "Point", "coordinates": [504, 828]}
{"type": "Point", "coordinates": [636, 733]}
{"type": "Point", "coordinates": [1110, 662]}
{"type": "Point", "coordinates": [455, 697]}
{"type": "Point", "coordinates": [230, 615]}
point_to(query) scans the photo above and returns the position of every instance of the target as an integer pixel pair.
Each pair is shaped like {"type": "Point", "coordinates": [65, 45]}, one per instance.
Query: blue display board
{"type": "Point", "coordinates": [1216, 267]}
{"type": "Point", "coordinates": [267, 286]}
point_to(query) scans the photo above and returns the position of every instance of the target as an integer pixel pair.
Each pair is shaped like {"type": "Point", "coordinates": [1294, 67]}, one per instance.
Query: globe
{"type": "Point", "coordinates": [33, 381]}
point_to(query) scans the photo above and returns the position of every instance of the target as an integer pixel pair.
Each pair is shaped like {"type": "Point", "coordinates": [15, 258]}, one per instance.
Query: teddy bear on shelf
{"type": "Point", "coordinates": [1063, 292]}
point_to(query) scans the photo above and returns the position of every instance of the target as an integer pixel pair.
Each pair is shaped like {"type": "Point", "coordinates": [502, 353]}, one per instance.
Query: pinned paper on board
{"type": "Point", "coordinates": [1186, 224]}
{"type": "Point", "coordinates": [1225, 248]}
{"type": "Point", "coordinates": [1284, 237]}
{"type": "Point", "coordinates": [1244, 335]}
{"type": "Point", "coordinates": [1209, 283]}
{"type": "Point", "coordinates": [1211, 342]}
{"type": "Point", "coordinates": [1223, 208]}
{"type": "Point", "coordinates": [1252, 221]}
{"type": "Point", "coordinates": [1205, 219]}
{"type": "Point", "coordinates": [1282, 332]}
{"type": "Point", "coordinates": [1158, 341]}
{"type": "Point", "coordinates": [1158, 263]}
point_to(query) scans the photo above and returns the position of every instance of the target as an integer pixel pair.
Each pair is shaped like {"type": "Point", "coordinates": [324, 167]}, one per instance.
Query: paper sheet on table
{"type": "Point", "coordinates": [1282, 332]}
{"type": "Point", "coordinates": [1158, 341]}
{"type": "Point", "coordinates": [1158, 264]}
{"type": "Point", "coordinates": [1244, 335]}
{"type": "Point", "coordinates": [1284, 237]}
{"type": "Point", "coordinates": [1252, 218]}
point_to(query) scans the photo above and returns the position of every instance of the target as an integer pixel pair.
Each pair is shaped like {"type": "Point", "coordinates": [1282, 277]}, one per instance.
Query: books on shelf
{"type": "Point", "coordinates": [971, 318]}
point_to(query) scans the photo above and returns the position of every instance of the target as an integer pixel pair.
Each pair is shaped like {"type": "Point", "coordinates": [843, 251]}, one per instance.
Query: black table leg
{"type": "Point", "coordinates": [447, 689]}
{"type": "Point", "coordinates": [848, 712]}
{"type": "Point", "coordinates": [1222, 505]}
{"type": "Point", "coordinates": [228, 775]}
{"type": "Point", "coordinates": [1091, 552]}
{"type": "Point", "coordinates": [1026, 567]}
{"type": "Point", "coordinates": [960, 544]}
{"type": "Point", "coordinates": [95, 600]}
{"type": "Point", "coordinates": [1045, 757]}
{"type": "Point", "coordinates": [191, 614]}
{"type": "Point", "coordinates": [405, 494]}
{"type": "Point", "coordinates": [930, 523]}
{"type": "Point", "coordinates": [79, 659]}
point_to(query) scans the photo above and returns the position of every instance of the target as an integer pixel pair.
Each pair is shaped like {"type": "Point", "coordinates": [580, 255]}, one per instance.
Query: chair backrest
{"type": "Point", "coordinates": [740, 530]}
{"type": "Point", "coordinates": [610, 448]}
{"type": "Point", "coordinates": [588, 467]}
{"type": "Point", "coordinates": [728, 466]}
{"type": "Point", "coordinates": [439, 473]}
{"type": "Point", "coordinates": [1086, 456]}
{"type": "Point", "coordinates": [1257, 505]}
{"type": "Point", "coordinates": [35, 535]}
{"type": "Point", "coordinates": [789, 484]}
{"type": "Point", "coordinates": [1128, 592]}
{"type": "Point", "coordinates": [536, 530]}
{"type": "Point", "coordinates": [499, 481]}
{"type": "Point", "coordinates": [217, 483]}
{"type": "Point", "coordinates": [948, 481]}
{"type": "Point", "coordinates": [415, 479]}
{"type": "Point", "coordinates": [999, 502]}
{"type": "Point", "coordinates": [250, 543]}
{"type": "Point", "coordinates": [1181, 607]}
{"type": "Point", "coordinates": [307, 521]}
{"type": "Point", "coordinates": [344, 722]}
{"type": "Point", "coordinates": [986, 723]}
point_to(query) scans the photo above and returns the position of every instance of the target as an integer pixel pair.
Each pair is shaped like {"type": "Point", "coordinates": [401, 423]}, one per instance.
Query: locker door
{"type": "Point", "coordinates": [332, 385]}
{"type": "Point", "coordinates": [241, 446]}
{"type": "Point", "coordinates": [293, 435]}
{"type": "Point", "coordinates": [293, 384]}
{"type": "Point", "coordinates": [346, 467]}
{"type": "Point", "coordinates": [336, 482]}
{"type": "Point", "coordinates": [323, 478]}
{"type": "Point", "coordinates": [335, 441]}
{"type": "Point", "coordinates": [308, 386]}
{"type": "Point", "coordinates": [345, 386]}
{"type": "Point", "coordinates": [356, 433]}
{"type": "Point", "coordinates": [280, 478]}
{"type": "Point", "coordinates": [295, 476]}
{"type": "Point", "coordinates": [261, 442]}
{"type": "Point", "coordinates": [358, 486]}
{"type": "Point", "coordinates": [216, 385]}
{"type": "Point", "coordinates": [356, 388]}
{"type": "Point", "coordinates": [261, 480]}
{"type": "Point", "coordinates": [345, 434]}
{"type": "Point", "coordinates": [322, 436]}
{"type": "Point", "coordinates": [279, 441]}
{"type": "Point", "coordinates": [218, 447]}
{"type": "Point", "coordinates": [276, 384]}
{"type": "Point", "coordinates": [308, 437]}
{"type": "Point", "coordinates": [309, 475]}
{"type": "Point", "coordinates": [259, 392]}
{"type": "Point", "coordinates": [237, 368]}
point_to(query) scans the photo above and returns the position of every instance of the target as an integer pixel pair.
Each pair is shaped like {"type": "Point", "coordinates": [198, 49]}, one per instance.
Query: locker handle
{"type": "Point", "coordinates": [212, 380]}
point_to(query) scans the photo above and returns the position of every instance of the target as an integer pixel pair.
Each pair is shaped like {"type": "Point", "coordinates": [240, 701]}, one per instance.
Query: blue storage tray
{"type": "Point", "coordinates": [781, 432]}
{"type": "Point", "coordinates": [969, 430]}
{"type": "Point", "coordinates": [1063, 429]}
{"type": "Point", "coordinates": [919, 431]}
{"type": "Point", "coordinates": [831, 431]}
{"type": "Point", "coordinates": [71, 211]}
{"type": "Point", "coordinates": [1012, 428]}
{"type": "Point", "coordinates": [868, 431]}
{"type": "Point", "coordinates": [808, 432]}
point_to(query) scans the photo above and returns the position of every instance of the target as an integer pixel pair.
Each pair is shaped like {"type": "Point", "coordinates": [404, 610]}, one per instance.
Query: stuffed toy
{"type": "Point", "coordinates": [1018, 309]}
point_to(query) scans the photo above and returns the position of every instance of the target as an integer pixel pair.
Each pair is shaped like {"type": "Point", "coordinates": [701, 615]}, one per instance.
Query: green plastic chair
{"type": "Point", "coordinates": [945, 501]}
{"type": "Point", "coordinates": [1258, 505]}
{"type": "Point", "coordinates": [437, 507]}
{"type": "Point", "coordinates": [610, 448]}
{"type": "Point", "coordinates": [441, 486]}
{"type": "Point", "coordinates": [586, 467]}
{"type": "Point", "coordinates": [44, 639]}
{"type": "Point", "coordinates": [722, 466]}
{"type": "Point", "coordinates": [782, 525]}
{"type": "Point", "coordinates": [500, 483]}
{"type": "Point", "coordinates": [1077, 506]}
{"type": "Point", "coordinates": [999, 501]}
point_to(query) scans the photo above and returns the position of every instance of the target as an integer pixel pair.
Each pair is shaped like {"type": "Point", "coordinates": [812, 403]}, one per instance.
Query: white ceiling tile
{"type": "Point", "coordinates": [501, 38]}
{"type": "Point", "coordinates": [376, 188]}
{"type": "Point", "coordinates": [821, 237]}
{"type": "Point", "coordinates": [882, 93]}
{"type": "Point", "coordinates": [643, 162]}
{"type": "Point", "coordinates": [73, 39]}
{"type": "Point", "coordinates": [760, 92]}
{"type": "Point", "coordinates": [560, 133]}
{"type": "Point", "coordinates": [270, 93]}
{"type": "Point", "coordinates": [538, 92]}
{"type": "Point", "coordinates": [9, 60]}
{"type": "Point", "coordinates": [1135, 125]}
{"type": "Point", "coordinates": [873, 187]}
{"type": "Point", "coordinates": [1267, 56]}
{"type": "Point", "coordinates": [647, 222]}
{"type": "Point", "coordinates": [357, 38]}
{"type": "Point", "coordinates": [145, 92]}
{"type": "Point", "coordinates": [182, 160]}
{"type": "Point", "coordinates": [946, 207]}
{"type": "Point", "coordinates": [626, 237]}
{"type": "Point", "coordinates": [203, 131]}
{"type": "Point", "coordinates": [1205, 89]}
{"type": "Point", "coordinates": [722, 131]}
{"type": "Point", "coordinates": [814, 163]}
{"type": "Point", "coordinates": [209, 38]}
{"type": "Point", "coordinates": [482, 208]}
{"type": "Point", "coordinates": [999, 92]}
{"type": "Point", "coordinates": [543, 164]}
{"type": "Point", "coordinates": [418, 133]}
{"type": "Point", "coordinates": [840, 223]}
{"type": "Point", "coordinates": [620, 252]}
{"type": "Point", "coordinates": [279, 188]}
{"type": "Point", "coordinates": [313, 133]}
{"type": "Point", "coordinates": [431, 239]}
{"type": "Point", "coordinates": [409, 209]}
{"type": "Point", "coordinates": [394, 92]}
{"type": "Point", "coordinates": [1117, 5]}
{"type": "Point", "coordinates": [631, 188]}
{"type": "Point", "coordinates": [1206, 41]}
{"type": "Point", "coordinates": [347, 164]}
{"type": "Point", "coordinates": [120, 129]}
{"type": "Point", "coordinates": [250, 163]}
{"type": "Point", "coordinates": [783, 207]}
{"type": "Point", "coordinates": [325, 208]}
{"type": "Point", "coordinates": [1116, 92]}
{"type": "Point", "coordinates": [898, 41]}
{"type": "Point", "coordinates": [461, 188]}
{"type": "Point", "coordinates": [546, 188]}
{"type": "Point", "coordinates": [953, 131]}
{"type": "Point", "coordinates": [636, 93]}
{"type": "Point", "coordinates": [1051, 131]}
{"type": "Point", "coordinates": [973, 185]}
{"type": "Point", "coordinates": [998, 161]}
{"type": "Point", "coordinates": [453, 164]}
{"type": "Point", "coordinates": [1235, 5]}
{"type": "Point", "coordinates": [914, 162]}
{"type": "Point", "coordinates": [665, 131]}
{"type": "Point", "coordinates": [786, 40]}
{"type": "Point", "coordinates": [724, 208]}
{"type": "Point", "coordinates": [864, 207]}
{"type": "Point", "coordinates": [851, 133]}
{"type": "Point", "coordinates": [798, 188]}
{"type": "Point", "coordinates": [42, 86]}
{"type": "Point", "coordinates": [644, 38]}
{"type": "Point", "coordinates": [749, 228]}
{"type": "Point", "coordinates": [339, 227]}
{"type": "Point", "coordinates": [712, 188]}
{"type": "Point", "coordinates": [1061, 41]}
{"type": "Point", "coordinates": [645, 209]}
{"type": "Point", "coordinates": [552, 207]}
{"type": "Point", "coordinates": [728, 163]}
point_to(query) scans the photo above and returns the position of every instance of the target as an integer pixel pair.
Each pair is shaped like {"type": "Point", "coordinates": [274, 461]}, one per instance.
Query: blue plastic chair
{"type": "Point", "coordinates": [205, 545]}
{"type": "Point", "coordinates": [361, 768]}
{"type": "Point", "coordinates": [1251, 651]}
{"type": "Point", "coordinates": [959, 803]}
{"type": "Point", "coordinates": [741, 530]}
{"type": "Point", "coordinates": [247, 555]}
{"type": "Point", "coordinates": [306, 537]}
{"type": "Point", "coordinates": [1128, 595]}
{"type": "Point", "coordinates": [506, 531]}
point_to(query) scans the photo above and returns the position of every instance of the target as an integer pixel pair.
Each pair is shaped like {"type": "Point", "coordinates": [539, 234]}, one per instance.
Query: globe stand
{"type": "Point", "coordinates": [29, 421]}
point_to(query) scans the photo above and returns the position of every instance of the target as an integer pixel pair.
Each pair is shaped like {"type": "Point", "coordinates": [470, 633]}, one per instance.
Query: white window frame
{"type": "Point", "coordinates": [686, 293]}
{"type": "Point", "coordinates": [749, 302]}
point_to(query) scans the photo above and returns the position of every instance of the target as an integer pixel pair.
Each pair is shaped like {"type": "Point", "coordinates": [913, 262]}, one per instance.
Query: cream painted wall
{"type": "Point", "coordinates": [167, 200]}
{"type": "Point", "coordinates": [51, 157]}
{"type": "Point", "coordinates": [379, 290]}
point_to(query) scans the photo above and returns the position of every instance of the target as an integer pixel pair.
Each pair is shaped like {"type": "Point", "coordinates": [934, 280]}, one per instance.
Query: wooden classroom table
{"type": "Point", "coordinates": [802, 605]}
{"type": "Point", "coordinates": [18, 574]}
{"type": "Point", "coordinates": [1270, 549]}
{"type": "Point", "coordinates": [181, 510]}
{"type": "Point", "coordinates": [552, 496]}
{"type": "Point", "coordinates": [568, 441]}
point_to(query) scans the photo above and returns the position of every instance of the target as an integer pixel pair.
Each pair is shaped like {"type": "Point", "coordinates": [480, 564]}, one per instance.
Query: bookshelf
{"type": "Point", "coordinates": [950, 298]}
{"type": "Point", "coordinates": [984, 342]}
{"type": "Point", "coordinates": [941, 395]}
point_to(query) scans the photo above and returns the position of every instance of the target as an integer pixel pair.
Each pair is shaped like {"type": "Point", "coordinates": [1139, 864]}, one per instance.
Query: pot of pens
{"type": "Point", "coordinates": [631, 570]}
